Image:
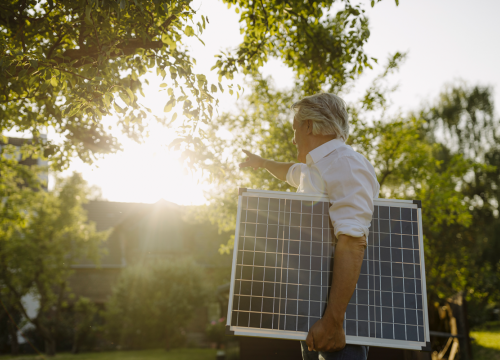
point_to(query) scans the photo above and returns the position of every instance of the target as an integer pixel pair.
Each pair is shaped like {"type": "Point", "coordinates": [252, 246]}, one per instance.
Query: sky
{"type": "Point", "coordinates": [447, 41]}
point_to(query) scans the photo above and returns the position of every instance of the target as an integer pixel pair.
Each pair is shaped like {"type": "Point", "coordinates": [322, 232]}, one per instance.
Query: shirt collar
{"type": "Point", "coordinates": [321, 151]}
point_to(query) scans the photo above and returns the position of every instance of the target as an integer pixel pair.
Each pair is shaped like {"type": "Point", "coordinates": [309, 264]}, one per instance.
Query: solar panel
{"type": "Point", "coordinates": [283, 262]}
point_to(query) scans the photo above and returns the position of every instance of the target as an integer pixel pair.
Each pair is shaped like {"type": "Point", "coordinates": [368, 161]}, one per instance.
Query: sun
{"type": "Point", "coordinates": [145, 173]}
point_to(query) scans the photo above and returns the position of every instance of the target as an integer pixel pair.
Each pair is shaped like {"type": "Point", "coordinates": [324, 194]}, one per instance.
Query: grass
{"type": "Point", "coordinates": [487, 341]}
{"type": "Point", "coordinates": [177, 354]}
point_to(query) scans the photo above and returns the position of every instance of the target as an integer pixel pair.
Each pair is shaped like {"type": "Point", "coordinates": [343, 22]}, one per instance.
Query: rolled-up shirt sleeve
{"type": "Point", "coordinates": [349, 186]}
{"type": "Point", "coordinates": [293, 175]}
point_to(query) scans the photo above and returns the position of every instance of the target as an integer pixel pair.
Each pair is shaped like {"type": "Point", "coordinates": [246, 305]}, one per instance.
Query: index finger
{"type": "Point", "coordinates": [247, 153]}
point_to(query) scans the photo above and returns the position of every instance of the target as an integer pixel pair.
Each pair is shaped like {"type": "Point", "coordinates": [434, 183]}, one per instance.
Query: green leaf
{"type": "Point", "coordinates": [213, 88]}
{"type": "Point", "coordinates": [53, 81]}
{"type": "Point", "coordinates": [88, 19]}
{"type": "Point", "coordinates": [32, 80]}
{"type": "Point", "coordinates": [34, 64]}
{"type": "Point", "coordinates": [162, 85]}
{"type": "Point", "coordinates": [118, 108]}
{"type": "Point", "coordinates": [125, 98]}
{"type": "Point", "coordinates": [130, 94]}
{"type": "Point", "coordinates": [189, 31]}
{"type": "Point", "coordinates": [168, 107]}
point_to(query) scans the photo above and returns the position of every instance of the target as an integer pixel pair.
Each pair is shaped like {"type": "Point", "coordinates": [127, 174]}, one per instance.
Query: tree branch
{"type": "Point", "coordinates": [55, 45]}
{"type": "Point", "coordinates": [128, 47]}
{"type": "Point", "coordinates": [167, 22]}
{"type": "Point", "coordinates": [265, 14]}
{"type": "Point", "coordinates": [387, 173]}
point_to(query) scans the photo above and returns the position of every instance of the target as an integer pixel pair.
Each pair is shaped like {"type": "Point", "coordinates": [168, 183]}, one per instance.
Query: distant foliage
{"type": "Point", "coordinates": [152, 303]}
{"type": "Point", "coordinates": [468, 257]}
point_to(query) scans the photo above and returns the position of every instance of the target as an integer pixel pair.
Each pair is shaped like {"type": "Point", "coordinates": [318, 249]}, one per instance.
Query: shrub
{"type": "Point", "coordinates": [151, 303]}
{"type": "Point", "coordinates": [216, 331]}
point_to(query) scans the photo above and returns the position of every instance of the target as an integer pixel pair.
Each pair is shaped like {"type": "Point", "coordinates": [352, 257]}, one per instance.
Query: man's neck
{"type": "Point", "coordinates": [318, 140]}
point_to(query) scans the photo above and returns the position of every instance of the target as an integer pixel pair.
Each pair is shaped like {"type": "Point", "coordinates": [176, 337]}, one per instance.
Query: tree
{"type": "Point", "coordinates": [152, 302]}
{"type": "Point", "coordinates": [68, 64]}
{"type": "Point", "coordinates": [465, 116]}
{"type": "Point", "coordinates": [19, 184]}
{"type": "Point", "coordinates": [36, 258]}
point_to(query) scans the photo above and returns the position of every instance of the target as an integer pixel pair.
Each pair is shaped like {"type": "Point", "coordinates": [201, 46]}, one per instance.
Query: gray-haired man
{"type": "Point", "coordinates": [330, 167]}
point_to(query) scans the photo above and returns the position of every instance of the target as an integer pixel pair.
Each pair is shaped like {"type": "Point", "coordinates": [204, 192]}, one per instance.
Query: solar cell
{"type": "Point", "coordinates": [283, 263]}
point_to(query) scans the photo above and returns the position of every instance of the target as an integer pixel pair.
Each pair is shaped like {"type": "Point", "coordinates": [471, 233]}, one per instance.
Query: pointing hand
{"type": "Point", "coordinates": [252, 160]}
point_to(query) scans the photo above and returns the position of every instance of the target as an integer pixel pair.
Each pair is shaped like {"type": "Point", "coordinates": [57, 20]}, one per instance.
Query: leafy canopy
{"type": "Point", "coordinates": [66, 65]}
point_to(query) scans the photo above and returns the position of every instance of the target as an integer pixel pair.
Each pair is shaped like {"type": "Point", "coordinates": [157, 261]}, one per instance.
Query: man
{"type": "Point", "coordinates": [330, 167]}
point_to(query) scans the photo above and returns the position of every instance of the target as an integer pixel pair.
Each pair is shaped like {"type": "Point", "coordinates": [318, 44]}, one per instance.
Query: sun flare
{"type": "Point", "coordinates": [145, 173]}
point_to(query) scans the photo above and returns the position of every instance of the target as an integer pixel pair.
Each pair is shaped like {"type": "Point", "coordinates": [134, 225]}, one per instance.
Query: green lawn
{"type": "Point", "coordinates": [178, 354]}
{"type": "Point", "coordinates": [487, 341]}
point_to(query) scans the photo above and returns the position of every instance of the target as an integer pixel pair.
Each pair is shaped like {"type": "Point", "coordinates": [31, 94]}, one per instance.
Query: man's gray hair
{"type": "Point", "coordinates": [327, 112]}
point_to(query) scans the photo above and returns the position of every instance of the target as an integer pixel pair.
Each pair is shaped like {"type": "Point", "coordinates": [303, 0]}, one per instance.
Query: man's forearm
{"type": "Point", "coordinates": [349, 254]}
{"type": "Point", "coordinates": [277, 169]}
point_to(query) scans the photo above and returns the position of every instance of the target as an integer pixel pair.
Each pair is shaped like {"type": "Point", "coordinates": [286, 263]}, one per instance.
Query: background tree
{"type": "Point", "coordinates": [67, 64]}
{"type": "Point", "coordinates": [152, 302]}
{"type": "Point", "coordinates": [84, 325]}
{"type": "Point", "coordinates": [463, 117]}
{"type": "Point", "coordinates": [36, 259]}
{"type": "Point", "coordinates": [19, 184]}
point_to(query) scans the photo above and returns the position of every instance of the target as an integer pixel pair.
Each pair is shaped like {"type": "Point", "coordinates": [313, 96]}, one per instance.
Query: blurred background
{"type": "Point", "coordinates": [122, 126]}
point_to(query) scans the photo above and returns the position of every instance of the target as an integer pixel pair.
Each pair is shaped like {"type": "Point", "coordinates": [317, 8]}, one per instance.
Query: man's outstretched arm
{"type": "Point", "coordinates": [328, 333]}
{"type": "Point", "coordinates": [276, 169]}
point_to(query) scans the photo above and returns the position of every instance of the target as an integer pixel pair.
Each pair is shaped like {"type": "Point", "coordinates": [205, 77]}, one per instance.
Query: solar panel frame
{"type": "Point", "coordinates": [350, 339]}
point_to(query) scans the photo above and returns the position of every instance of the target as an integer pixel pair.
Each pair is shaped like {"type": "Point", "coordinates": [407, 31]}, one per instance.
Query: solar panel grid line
{"type": "Point", "coordinates": [404, 290]}
{"type": "Point", "coordinates": [265, 256]}
{"type": "Point", "coordinates": [380, 277]}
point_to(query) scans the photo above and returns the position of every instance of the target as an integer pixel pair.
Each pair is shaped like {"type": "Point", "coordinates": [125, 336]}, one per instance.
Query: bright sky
{"type": "Point", "coordinates": [447, 40]}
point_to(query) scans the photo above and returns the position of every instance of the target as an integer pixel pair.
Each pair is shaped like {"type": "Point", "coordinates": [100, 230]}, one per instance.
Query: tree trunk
{"type": "Point", "coordinates": [50, 346]}
{"type": "Point", "coordinates": [14, 344]}
{"type": "Point", "coordinates": [76, 343]}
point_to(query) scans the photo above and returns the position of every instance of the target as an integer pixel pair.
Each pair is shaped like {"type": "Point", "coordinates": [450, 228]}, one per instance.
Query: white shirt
{"type": "Point", "coordinates": [347, 178]}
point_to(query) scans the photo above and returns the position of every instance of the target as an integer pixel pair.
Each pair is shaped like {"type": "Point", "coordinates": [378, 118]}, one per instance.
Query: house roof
{"type": "Point", "coordinates": [138, 230]}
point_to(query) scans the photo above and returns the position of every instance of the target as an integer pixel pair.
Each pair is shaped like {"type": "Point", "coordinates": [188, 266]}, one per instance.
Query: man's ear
{"type": "Point", "coordinates": [309, 128]}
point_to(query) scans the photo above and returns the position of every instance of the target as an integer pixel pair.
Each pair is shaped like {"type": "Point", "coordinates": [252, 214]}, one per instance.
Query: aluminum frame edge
{"type": "Point", "coordinates": [233, 268]}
